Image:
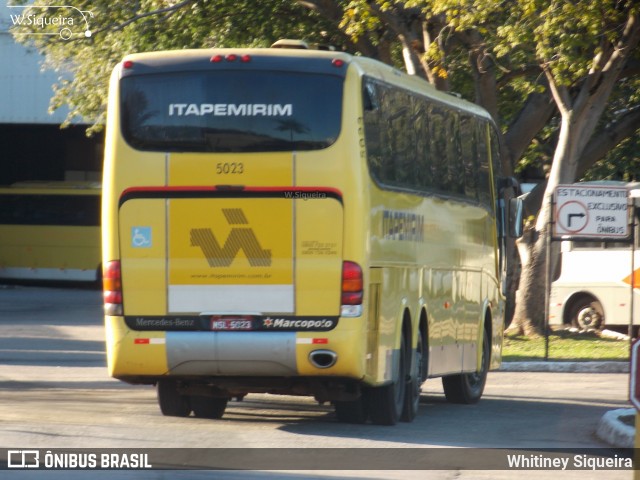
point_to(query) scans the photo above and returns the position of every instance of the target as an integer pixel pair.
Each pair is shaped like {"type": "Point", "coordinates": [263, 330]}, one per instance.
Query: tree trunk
{"type": "Point", "coordinates": [529, 309]}
{"type": "Point", "coordinates": [529, 316]}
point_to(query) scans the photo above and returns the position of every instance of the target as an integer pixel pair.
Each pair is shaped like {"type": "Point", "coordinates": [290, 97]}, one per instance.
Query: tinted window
{"type": "Point", "coordinates": [231, 111]}
{"type": "Point", "coordinates": [69, 210]}
{"type": "Point", "coordinates": [469, 147]}
{"type": "Point", "coordinates": [419, 144]}
{"type": "Point", "coordinates": [484, 177]}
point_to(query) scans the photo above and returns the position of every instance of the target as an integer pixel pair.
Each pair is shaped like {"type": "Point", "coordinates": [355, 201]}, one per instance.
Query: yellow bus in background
{"type": "Point", "coordinates": [50, 231]}
{"type": "Point", "coordinates": [298, 222]}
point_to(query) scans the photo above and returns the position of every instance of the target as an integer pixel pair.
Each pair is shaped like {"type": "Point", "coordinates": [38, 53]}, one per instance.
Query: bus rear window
{"type": "Point", "coordinates": [231, 111]}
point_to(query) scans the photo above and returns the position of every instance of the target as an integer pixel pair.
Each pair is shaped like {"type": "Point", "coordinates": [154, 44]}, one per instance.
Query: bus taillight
{"type": "Point", "coordinates": [112, 288]}
{"type": "Point", "coordinates": [352, 290]}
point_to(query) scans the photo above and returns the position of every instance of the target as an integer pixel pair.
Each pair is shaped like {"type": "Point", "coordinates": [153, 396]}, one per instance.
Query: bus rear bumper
{"type": "Point", "coordinates": [193, 354]}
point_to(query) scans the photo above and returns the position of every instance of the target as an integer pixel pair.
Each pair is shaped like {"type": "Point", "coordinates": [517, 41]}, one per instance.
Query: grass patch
{"type": "Point", "coordinates": [565, 345]}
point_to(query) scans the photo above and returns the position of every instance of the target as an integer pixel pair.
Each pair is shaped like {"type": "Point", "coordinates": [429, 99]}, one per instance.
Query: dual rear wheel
{"type": "Point", "coordinates": [395, 401]}
{"type": "Point", "coordinates": [173, 403]}
{"type": "Point", "coordinates": [468, 387]}
{"type": "Point", "coordinates": [383, 405]}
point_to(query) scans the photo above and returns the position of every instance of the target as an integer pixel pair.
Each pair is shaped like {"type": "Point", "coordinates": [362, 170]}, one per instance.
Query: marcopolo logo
{"type": "Point", "coordinates": [287, 323]}
{"type": "Point", "coordinates": [240, 238]}
{"type": "Point", "coordinates": [63, 20]}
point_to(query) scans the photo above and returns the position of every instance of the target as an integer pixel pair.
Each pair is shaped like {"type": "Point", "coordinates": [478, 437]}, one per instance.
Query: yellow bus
{"type": "Point", "coordinates": [298, 222]}
{"type": "Point", "coordinates": [50, 230]}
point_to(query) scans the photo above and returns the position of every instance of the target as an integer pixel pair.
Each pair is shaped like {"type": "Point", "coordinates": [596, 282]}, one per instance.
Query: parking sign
{"type": "Point", "coordinates": [591, 211]}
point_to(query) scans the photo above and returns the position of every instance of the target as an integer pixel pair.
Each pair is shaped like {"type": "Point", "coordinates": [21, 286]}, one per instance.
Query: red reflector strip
{"type": "Point", "coordinates": [312, 341]}
{"type": "Point", "coordinates": [149, 341]}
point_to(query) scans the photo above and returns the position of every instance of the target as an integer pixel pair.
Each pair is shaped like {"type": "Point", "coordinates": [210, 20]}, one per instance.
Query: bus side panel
{"type": "Point", "coordinates": [50, 230]}
{"type": "Point", "coordinates": [143, 248]}
{"type": "Point", "coordinates": [445, 353]}
{"type": "Point", "coordinates": [395, 296]}
{"type": "Point", "coordinates": [602, 273]}
{"type": "Point", "coordinates": [447, 242]}
{"type": "Point", "coordinates": [497, 309]}
{"type": "Point", "coordinates": [318, 260]}
{"type": "Point", "coordinates": [49, 252]}
{"type": "Point", "coordinates": [131, 353]}
{"type": "Point", "coordinates": [468, 300]}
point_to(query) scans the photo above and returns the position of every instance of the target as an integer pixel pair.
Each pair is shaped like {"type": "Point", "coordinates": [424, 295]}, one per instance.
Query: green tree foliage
{"type": "Point", "coordinates": [120, 28]}
{"type": "Point", "coordinates": [560, 77]}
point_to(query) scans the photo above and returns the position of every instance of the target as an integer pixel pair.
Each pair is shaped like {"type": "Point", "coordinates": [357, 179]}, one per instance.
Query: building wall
{"type": "Point", "coordinates": [32, 145]}
{"type": "Point", "coordinates": [26, 90]}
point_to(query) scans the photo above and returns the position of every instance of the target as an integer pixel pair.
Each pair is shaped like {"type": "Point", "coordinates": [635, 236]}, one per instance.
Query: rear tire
{"type": "Point", "coordinates": [587, 313]}
{"type": "Point", "coordinates": [208, 407]}
{"type": "Point", "coordinates": [172, 402]}
{"type": "Point", "coordinates": [413, 389]}
{"type": "Point", "coordinates": [387, 402]}
{"type": "Point", "coordinates": [355, 411]}
{"type": "Point", "coordinates": [468, 387]}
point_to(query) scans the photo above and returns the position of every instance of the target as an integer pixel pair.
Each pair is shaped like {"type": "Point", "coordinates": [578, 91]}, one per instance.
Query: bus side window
{"type": "Point", "coordinates": [402, 139]}
{"type": "Point", "coordinates": [369, 97]}
{"type": "Point", "coordinates": [469, 156]}
{"type": "Point", "coordinates": [438, 147]}
{"type": "Point", "coordinates": [420, 122]}
{"type": "Point", "coordinates": [371, 120]}
{"type": "Point", "coordinates": [455, 164]}
{"type": "Point", "coordinates": [484, 179]}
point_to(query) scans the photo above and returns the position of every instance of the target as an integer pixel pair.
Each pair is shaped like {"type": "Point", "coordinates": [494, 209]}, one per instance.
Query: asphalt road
{"type": "Point", "coordinates": [55, 394]}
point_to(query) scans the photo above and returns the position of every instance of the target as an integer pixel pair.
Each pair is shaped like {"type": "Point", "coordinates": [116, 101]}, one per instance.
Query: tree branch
{"type": "Point", "coordinates": [536, 113]}
{"type": "Point", "coordinates": [408, 37]}
{"type": "Point", "coordinates": [431, 31]}
{"type": "Point", "coordinates": [332, 11]}
{"type": "Point", "coordinates": [603, 142]}
{"type": "Point", "coordinates": [510, 75]}
{"type": "Point", "coordinates": [140, 16]}
{"type": "Point", "coordinates": [596, 90]}
{"type": "Point", "coordinates": [483, 68]}
{"type": "Point", "coordinates": [559, 93]}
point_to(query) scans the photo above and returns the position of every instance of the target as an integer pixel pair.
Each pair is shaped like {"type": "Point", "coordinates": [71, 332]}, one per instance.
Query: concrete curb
{"type": "Point", "coordinates": [566, 367]}
{"type": "Point", "coordinates": [614, 432]}
{"type": "Point", "coordinates": [610, 429]}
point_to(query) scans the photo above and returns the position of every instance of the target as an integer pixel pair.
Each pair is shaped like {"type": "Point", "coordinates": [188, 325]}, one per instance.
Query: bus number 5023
{"type": "Point", "coordinates": [229, 168]}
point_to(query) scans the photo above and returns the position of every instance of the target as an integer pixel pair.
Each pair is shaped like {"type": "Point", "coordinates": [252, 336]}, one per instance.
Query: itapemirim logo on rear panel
{"type": "Point", "coordinates": [64, 20]}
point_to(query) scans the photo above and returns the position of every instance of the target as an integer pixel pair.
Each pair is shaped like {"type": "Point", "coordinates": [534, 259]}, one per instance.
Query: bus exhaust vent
{"type": "Point", "coordinates": [323, 358]}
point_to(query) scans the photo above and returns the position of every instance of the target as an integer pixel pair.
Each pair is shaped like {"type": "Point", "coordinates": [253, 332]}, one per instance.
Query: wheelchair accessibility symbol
{"type": "Point", "coordinates": [141, 237]}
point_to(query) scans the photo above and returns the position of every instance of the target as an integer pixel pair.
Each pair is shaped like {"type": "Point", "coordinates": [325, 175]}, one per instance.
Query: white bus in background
{"type": "Point", "coordinates": [593, 289]}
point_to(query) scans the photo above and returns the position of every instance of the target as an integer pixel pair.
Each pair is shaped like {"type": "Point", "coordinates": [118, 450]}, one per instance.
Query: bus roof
{"type": "Point", "coordinates": [176, 60]}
